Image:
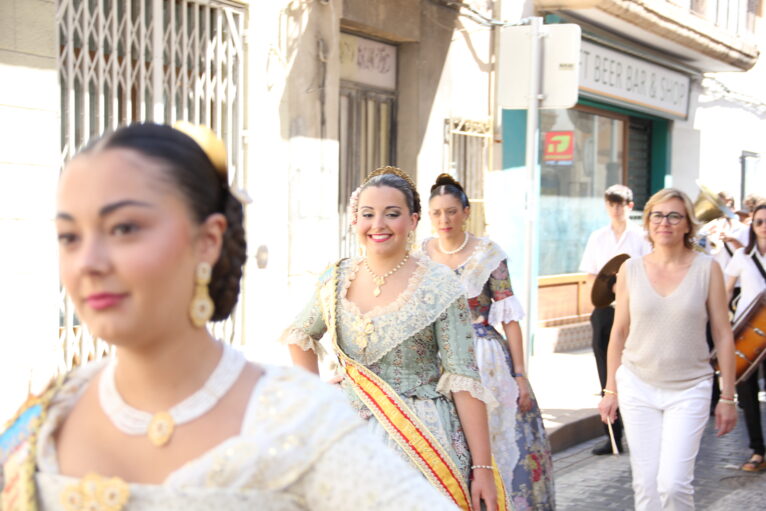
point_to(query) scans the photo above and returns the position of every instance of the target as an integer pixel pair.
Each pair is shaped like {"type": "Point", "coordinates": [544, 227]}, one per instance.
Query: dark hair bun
{"type": "Point", "coordinates": [446, 179]}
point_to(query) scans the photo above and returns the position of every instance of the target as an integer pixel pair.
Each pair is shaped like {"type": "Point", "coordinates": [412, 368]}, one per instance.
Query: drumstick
{"type": "Point", "coordinates": [611, 437]}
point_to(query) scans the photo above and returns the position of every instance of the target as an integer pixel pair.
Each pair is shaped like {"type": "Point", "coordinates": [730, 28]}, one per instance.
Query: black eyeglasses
{"type": "Point", "coordinates": [673, 218]}
{"type": "Point", "coordinates": [759, 222]}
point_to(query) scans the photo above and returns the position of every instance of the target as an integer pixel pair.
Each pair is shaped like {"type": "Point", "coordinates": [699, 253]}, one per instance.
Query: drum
{"type": "Point", "coordinates": [750, 338]}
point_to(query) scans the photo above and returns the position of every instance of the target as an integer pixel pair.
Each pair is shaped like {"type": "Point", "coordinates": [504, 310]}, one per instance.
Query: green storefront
{"type": "Point", "coordinates": [619, 132]}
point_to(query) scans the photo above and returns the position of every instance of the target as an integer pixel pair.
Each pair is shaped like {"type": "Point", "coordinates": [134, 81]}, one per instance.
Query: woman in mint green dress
{"type": "Point", "coordinates": [405, 319]}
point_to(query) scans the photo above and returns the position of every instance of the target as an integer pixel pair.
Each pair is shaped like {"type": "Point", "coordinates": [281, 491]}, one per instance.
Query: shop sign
{"type": "Point", "coordinates": [367, 62]}
{"type": "Point", "coordinates": [633, 82]}
{"type": "Point", "coordinates": [558, 147]}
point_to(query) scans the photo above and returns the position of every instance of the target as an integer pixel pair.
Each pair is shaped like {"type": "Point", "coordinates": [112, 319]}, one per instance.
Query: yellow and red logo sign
{"type": "Point", "coordinates": [558, 146]}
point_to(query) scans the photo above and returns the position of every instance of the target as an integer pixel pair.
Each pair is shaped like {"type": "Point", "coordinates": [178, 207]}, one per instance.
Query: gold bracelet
{"type": "Point", "coordinates": [607, 391]}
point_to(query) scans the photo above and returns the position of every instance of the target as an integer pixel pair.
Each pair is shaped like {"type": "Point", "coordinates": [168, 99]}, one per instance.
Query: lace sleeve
{"type": "Point", "coordinates": [454, 335]}
{"type": "Point", "coordinates": [506, 310]}
{"type": "Point", "coordinates": [360, 472]}
{"type": "Point", "coordinates": [307, 328]}
{"type": "Point", "coordinates": [449, 383]}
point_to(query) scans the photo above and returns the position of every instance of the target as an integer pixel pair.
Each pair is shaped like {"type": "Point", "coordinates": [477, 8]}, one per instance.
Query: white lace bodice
{"type": "Point", "coordinates": [301, 447]}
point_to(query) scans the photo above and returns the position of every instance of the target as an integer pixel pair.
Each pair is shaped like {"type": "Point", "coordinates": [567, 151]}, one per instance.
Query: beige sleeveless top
{"type": "Point", "coordinates": [666, 344]}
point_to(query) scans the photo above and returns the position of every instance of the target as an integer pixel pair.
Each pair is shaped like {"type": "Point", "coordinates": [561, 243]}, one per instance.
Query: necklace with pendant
{"type": "Point", "coordinates": [458, 249]}
{"type": "Point", "coordinates": [158, 427]}
{"type": "Point", "coordinates": [381, 279]}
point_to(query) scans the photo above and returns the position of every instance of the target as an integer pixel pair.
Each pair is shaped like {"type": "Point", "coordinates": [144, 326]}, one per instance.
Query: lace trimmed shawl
{"type": "Point", "coordinates": [476, 270]}
{"type": "Point", "coordinates": [432, 289]}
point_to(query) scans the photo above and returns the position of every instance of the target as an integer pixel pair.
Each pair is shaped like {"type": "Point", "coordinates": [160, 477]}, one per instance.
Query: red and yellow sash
{"type": "Point", "coordinates": [404, 427]}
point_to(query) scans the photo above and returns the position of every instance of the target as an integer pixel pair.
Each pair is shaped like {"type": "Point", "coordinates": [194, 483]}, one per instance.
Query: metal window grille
{"type": "Point", "coordinates": [367, 142]}
{"type": "Point", "coordinates": [123, 61]}
{"type": "Point", "coordinates": [467, 146]}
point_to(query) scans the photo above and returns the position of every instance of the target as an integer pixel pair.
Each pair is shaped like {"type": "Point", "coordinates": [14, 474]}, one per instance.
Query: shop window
{"type": "Point", "coordinates": [584, 150]}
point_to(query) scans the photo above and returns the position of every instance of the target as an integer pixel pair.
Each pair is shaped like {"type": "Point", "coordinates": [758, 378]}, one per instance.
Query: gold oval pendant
{"type": "Point", "coordinates": [160, 429]}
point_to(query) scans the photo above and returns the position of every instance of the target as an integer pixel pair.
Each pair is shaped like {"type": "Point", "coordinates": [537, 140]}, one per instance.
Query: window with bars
{"type": "Point", "coordinates": [467, 143]}
{"type": "Point", "coordinates": [367, 142]}
{"type": "Point", "coordinates": [124, 61]}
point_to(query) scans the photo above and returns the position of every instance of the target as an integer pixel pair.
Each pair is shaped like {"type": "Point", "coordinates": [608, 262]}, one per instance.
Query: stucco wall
{"type": "Point", "coordinates": [29, 148]}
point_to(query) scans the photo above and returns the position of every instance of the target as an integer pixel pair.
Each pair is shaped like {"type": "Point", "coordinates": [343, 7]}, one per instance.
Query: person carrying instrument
{"type": "Point", "coordinates": [619, 237]}
{"type": "Point", "coordinates": [748, 265]}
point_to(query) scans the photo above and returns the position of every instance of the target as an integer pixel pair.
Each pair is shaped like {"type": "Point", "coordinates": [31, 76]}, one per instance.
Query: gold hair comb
{"type": "Point", "coordinates": [215, 149]}
{"type": "Point", "coordinates": [208, 141]}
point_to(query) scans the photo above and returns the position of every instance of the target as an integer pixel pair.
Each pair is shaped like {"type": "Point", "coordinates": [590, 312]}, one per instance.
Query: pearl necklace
{"type": "Point", "coordinates": [451, 252]}
{"type": "Point", "coordinates": [158, 427]}
{"type": "Point", "coordinates": [381, 279]}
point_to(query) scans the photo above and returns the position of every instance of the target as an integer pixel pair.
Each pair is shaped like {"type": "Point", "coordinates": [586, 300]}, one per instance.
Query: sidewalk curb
{"type": "Point", "coordinates": [575, 432]}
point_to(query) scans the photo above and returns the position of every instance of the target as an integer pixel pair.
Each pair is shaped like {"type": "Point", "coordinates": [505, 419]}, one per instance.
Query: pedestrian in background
{"type": "Point", "coordinates": [519, 442]}
{"type": "Point", "coordinates": [621, 236]}
{"type": "Point", "coordinates": [152, 247]}
{"type": "Point", "coordinates": [748, 267]}
{"type": "Point", "coordinates": [659, 371]}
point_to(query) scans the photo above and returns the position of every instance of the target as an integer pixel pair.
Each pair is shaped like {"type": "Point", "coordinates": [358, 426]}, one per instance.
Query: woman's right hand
{"type": "Point", "coordinates": [608, 408]}
{"type": "Point", "coordinates": [525, 398]}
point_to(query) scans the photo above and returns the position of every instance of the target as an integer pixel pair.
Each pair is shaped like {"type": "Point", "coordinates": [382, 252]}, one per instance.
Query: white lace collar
{"type": "Point", "coordinates": [370, 336]}
{"type": "Point", "coordinates": [476, 269]}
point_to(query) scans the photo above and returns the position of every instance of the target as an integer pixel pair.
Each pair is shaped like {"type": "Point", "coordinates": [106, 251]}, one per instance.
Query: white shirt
{"type": "Point", "coordinates": [738, 231]}
{"type": "Point", "coordinates": [751, 281]}
{"type": "Point", "coordinates": [603, 245]}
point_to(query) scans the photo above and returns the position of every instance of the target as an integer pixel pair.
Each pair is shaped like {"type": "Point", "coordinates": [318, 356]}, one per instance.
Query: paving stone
{"type": "Point", "coordinates": [603, 483]}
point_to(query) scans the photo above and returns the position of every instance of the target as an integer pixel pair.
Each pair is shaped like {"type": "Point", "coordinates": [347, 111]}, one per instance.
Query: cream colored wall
{"type": "Point", "coordinates": [732, 122]}
{"type": "Point", "coordinates": [29, 142]}
{"type": "Point", "coordinates": [293, 164]}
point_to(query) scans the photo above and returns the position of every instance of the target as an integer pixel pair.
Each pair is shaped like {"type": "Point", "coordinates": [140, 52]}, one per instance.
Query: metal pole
{"type": "Point", "coordinates": [533, 193]}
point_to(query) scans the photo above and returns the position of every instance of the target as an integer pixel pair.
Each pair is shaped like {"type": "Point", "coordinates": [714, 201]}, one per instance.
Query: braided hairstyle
{"type": "Point", "coordinates": [394, 177]}
{"type": "Point", "coordinates": [447, 185]}
{"type": "Point", "coordinates": [205, 191]}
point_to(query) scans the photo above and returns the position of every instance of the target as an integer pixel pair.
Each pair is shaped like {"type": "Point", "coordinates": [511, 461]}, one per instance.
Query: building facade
{"type": "Point", "coordinates": [311, 95]}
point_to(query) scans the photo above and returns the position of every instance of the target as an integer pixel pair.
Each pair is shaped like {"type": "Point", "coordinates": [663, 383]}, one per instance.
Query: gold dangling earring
{"type": "Point", "coordinates": [202, 307]}
{"type": "Point", "coordinates": [411, 240]}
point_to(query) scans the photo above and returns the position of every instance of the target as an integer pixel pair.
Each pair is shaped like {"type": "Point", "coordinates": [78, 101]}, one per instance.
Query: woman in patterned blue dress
{"type": "Point", "coordinates": [519, 443]}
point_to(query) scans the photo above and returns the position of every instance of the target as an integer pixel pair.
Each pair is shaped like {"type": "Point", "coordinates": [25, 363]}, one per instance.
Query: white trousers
{"type": "Point", "coordinates": [664, 429]}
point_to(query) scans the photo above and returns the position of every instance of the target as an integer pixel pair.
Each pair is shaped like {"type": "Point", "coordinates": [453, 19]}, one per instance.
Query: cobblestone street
{"type": "Point", "coordinates": [602, 483]}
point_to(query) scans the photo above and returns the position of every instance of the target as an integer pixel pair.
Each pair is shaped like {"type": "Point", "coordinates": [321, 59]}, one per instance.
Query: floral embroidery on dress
{"type": "Point", "coordinates": [430, 291]}
{"type": "Point", "coordinates": [301, 447]}
{"type": "Point", "coordinates": [519, 442]}
{"type": "Point", "coordinates": [95, 493]}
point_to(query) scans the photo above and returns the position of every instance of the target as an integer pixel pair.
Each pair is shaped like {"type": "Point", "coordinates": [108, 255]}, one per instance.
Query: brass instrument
{"type": "Point", "coordinates": [708, 207]}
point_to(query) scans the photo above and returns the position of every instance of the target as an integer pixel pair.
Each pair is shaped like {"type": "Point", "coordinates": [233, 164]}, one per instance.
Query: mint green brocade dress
{"type": "Point", "coordinates": [421, 345]}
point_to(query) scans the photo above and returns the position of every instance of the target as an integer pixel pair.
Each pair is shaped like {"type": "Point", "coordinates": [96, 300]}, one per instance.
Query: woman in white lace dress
{"type": "Point", "coordinates": [519, 442]}
{"type": "Point", "coordinates": [152, 248]}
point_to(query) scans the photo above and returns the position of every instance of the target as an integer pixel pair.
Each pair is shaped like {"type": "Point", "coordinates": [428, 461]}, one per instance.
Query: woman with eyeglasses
{"type": "Point", "coordinates": [658, 363]}
{"type": "Point", "coordinates": [747, 265]}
